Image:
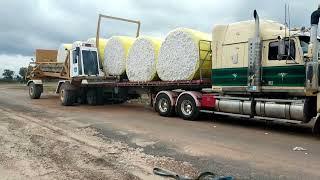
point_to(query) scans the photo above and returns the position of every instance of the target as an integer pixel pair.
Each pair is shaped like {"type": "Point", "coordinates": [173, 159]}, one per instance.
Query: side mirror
{"type": "Point", "coordinates": [281, 49]}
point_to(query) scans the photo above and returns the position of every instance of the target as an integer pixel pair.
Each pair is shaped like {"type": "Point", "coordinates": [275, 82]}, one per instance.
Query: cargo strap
{"type": "Point", "coordinates": [202, 176]}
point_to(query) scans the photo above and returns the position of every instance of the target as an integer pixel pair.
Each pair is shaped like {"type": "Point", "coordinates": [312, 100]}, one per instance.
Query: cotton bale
{"type": "Point", "coordinates": [180, 56]}
{"type": "Point", "coordinates": [63, 52]}
{"type": "Point", "coordinates": [142, 59]}
{"type": "Point", "coordinates": [102, 46]}
{"type": "Point", "coordinates": [115, 54]}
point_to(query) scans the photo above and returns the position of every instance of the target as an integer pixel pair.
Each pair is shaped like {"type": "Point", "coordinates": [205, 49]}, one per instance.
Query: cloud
{"type": "Point", "coordinates": [30, 24]}
{"type": "Point", "coordinates": [26, 25]}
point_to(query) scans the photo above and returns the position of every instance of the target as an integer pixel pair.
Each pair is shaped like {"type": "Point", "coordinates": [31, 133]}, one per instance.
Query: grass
{"type": "Point", "coordinates": [47, 86]}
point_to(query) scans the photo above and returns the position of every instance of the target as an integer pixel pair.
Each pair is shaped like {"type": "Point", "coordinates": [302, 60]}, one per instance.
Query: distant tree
{"type": "Point", "coordinates": [7, 74]}
{"type": "Point", "coordinates": [23, 72]}
{"type": "Point", "coordinates": [18, 78]}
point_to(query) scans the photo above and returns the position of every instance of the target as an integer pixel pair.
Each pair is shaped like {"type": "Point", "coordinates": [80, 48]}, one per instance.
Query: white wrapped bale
{"type": "Point", "coordinates": [179, 57]}
{"type": "Point", "coordinates": [115, 55]}
{"type": "Point", "coordinates": [76, 44]}
{"type": "Point", "coordinates": [102, 46]}
{"type": "Point", "coordinates": [142, 59]}
{"type": "Point", "coordinates": [63, 52]}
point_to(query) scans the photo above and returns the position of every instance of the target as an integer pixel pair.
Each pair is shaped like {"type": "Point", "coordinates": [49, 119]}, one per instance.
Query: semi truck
{"type": "Point", "coordinates": [260, 70]}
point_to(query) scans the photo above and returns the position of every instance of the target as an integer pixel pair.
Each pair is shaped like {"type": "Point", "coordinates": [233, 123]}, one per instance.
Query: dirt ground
{"type": "Point", "coordinates": [40, 139]}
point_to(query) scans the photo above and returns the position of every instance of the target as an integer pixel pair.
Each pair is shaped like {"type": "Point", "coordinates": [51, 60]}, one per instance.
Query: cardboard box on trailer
{"type": "Point", "coordinates": [44, 55]}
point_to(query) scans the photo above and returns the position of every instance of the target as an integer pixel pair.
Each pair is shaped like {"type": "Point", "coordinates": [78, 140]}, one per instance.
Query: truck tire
{"type": "Point", "coordinates": [100, 96]}
{"type": "Point", "coordinates": [95, 96]}
{"type": "Point", "coordinates": [187, 108]}
{"type": "Point", "coordinates": [92, 97]}
{"type": "Point", "coordinates": [67, 97]}
{"type": "Point", "coordinates": [163, 105]}
{"type": "Point", "coordinates": [35, 90]}
{"type": "Point", "coordinates": [82, 97]}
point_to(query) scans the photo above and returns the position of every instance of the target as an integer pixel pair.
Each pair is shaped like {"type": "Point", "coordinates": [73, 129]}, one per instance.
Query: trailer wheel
{"type": "Point", "coordinates": [186, 107]}
{"type": "Point", "coordinates": [67, 97]}
{"type": "Point", "coordinates": [100, 96]}
{"type": "Point", "coordinates": [95, 96]}
{"type": "Point", "coordinates": [82, 97]}
{"type": "Point", "coordinates": [35, 90]}
{"type": "Point", "coordinates": [92, 97]}
{"type": "Point", "coordinates": [163, 105]}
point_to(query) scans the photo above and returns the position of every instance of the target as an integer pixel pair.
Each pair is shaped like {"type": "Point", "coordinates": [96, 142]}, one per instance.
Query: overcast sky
{"type": "Point", "coordinates": [29, 24]}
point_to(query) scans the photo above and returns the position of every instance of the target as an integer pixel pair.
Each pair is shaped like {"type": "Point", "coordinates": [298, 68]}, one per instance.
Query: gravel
{"type": "Point", "coordinates": [41, 148]}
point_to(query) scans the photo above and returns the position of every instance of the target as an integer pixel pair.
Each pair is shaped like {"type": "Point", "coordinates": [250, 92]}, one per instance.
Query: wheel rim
{"type": "Point", "coordinates": [31, 90]}
{"type": "Point", "coordinates": [62, 95]}
{"type": "Point", "coordinates": [163, 105]}
{"type": "Point", "coordinates": [186, 107]}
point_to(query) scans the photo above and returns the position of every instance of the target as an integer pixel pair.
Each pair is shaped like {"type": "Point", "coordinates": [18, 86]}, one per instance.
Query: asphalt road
{"type": "Point", "coordinates": [242, 148]}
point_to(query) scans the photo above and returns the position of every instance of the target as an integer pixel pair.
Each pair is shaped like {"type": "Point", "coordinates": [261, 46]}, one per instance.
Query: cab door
{"type": "Point", "coordinates": [288, 71]}
{"type": "Point", "coordinates": [74, 63]}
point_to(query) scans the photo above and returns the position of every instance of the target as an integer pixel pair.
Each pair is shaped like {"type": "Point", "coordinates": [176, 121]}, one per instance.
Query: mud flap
{"type": "Point", "coordinates": [316, 126]}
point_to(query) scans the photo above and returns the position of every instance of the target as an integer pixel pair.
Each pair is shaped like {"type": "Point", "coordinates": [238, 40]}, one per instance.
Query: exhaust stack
{"type": "Point", "coordinates": [257, 24]}
{"type": "Point", "coordinates": [254, 52]}
{"type": "Point", "coordinates": [312, 71]}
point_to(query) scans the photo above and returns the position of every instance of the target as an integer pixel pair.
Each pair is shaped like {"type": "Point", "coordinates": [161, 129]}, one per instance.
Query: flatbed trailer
{"type": "Point", "coordinates": [164, 85]}
{"type": "Point", "coordinates": [163, 95]}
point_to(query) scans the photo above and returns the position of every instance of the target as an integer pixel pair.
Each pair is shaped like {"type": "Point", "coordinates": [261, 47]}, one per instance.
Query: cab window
{"type": "Point", "coordinates": [273, 51]}
{"type": "Point", "coordinates": [75, 59]}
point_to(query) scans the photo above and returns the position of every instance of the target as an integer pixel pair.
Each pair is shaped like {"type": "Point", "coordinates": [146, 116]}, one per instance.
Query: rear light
{"type": "Point", "coordinates": [208, 101]}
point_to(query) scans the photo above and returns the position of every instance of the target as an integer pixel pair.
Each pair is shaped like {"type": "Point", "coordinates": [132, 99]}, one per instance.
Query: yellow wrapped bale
{"type": "Point", "coordinates": [102, 46]}
{"type": "Point", "coordinates": [180, 57]}
{"type": "Point", "coordinates": [142, 59]}
{"type": "Point", "coordinates": [63, 52]}
{"type": "Point", "coordinates": [115, 54]}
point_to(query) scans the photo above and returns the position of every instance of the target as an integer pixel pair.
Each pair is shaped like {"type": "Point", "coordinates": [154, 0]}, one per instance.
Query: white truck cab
{"type": "Point", "coordinates": [84, 60]}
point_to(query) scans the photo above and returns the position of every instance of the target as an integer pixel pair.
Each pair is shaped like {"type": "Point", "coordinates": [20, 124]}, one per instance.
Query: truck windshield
{"type": "Point", "coordinates": [90, 63]}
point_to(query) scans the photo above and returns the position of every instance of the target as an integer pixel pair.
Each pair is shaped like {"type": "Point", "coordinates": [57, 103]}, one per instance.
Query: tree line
{"type": "Point", "coordinates": [9, 75]}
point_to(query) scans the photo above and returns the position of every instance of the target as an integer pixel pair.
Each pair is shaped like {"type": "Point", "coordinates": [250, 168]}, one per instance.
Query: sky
{"type": "Point", "coordinates": [30, 24]}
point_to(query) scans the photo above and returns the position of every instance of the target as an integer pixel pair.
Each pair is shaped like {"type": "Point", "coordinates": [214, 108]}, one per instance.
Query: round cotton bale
{"type": "Point", "coordinates": [76, 44]}
{"type": "Point", "coordinates": [115, 55]}
{"type": "Point", "coordinates": [142, 59]}
{"type": "Point", "coordinates": [63, 52]}
{"type": "Point", "coordinates": [102, 46]}
{"type": "Point", "coordinates": [179, 57]}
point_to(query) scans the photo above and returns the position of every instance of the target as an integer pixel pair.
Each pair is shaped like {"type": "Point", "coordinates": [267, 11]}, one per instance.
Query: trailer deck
{"type": "Point", "coordinates": [189, 84]}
